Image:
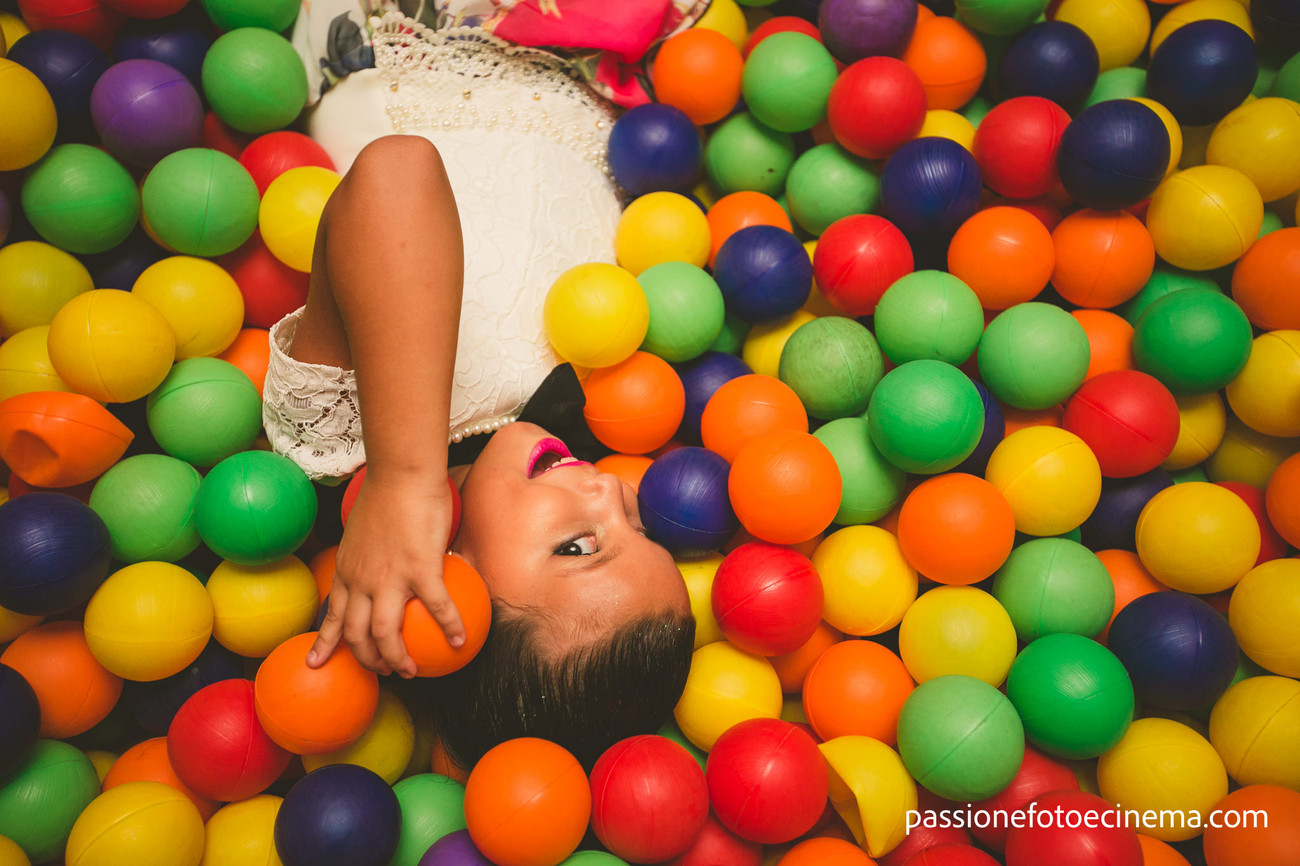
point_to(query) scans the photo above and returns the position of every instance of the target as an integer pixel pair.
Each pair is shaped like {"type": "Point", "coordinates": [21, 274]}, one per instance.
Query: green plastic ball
{"type": "Point", "coordinates": [200, 202]}
{"type": "Point", "coordinates": [975, 110]}
{"type": "Point", "coordinates": [787, 81]}
{"type": "Point", "coordinates": [40, 801]}
{"type": "Point", "coordinates": [254, 80]}
{"type": "Point", "coordinates": [432, 806]}
{"type": "Point", "coordinates": [273, 15]}
{"type": "Point", "coordinates": [1072, 694]}
{"type": "Point", "coordinates": [1287, 82]}
{"type": "Point", "coordinates": [872, 486]}
{"type": "Point", "coordinates": [926, 416]}
{"type": "Point", "coordinates": [1054, 586]}
{"type": "Point", "coordinates": [1033, 355]}
{"type": "Point", "coordinates": [960, 738]}
{"type": "Point", "coordinates": [833, 364]}
{"type": "Point", "coordinates": [1165, 280]}
{"type": "Point", "coordinates": [1000, 17]}
{"type": "Point", "coordinates": [204, 411]}
{"type": "Point", "coordinates": [147, 502]}
{"type": "Point", "coordinates": [731, 339]}
{"type": "Point", "coordinates": [255, 507]}
{"type": "Point", "coordinates": [80, 199]}
{"type": "Point", "coordinates": [593, 858]}
{"type": "Point", "coordinates": [743, 154]}
{"type": "Point", "coordinates": [1194, 341]}
{"type": "Point", "coordinates": [828, 183]}
{"type": "Point", "coordinates": [929, 315]}
{"type": "Point", "coordinates": [686, 310]}
{"type": "Point", "coordinates": [1124, 82]}
{"type": "Point", "coordinates": [670, 730]}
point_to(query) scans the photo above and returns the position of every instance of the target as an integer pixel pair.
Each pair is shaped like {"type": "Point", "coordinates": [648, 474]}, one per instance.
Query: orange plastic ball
{"type": "Point", "coordinates": [59, 439]}
{"type": "Point", "coordinates": [634, 406]}
{"type": "Point", "coordinates": [949, 59]}
{"type": "Point", "coordinates": [739, 210]}
{"type": "Point", "coordinates": [1018, 419]}
{"type": "Point", "coordinates": [1110, 341]}
{"type": "Point", "coordinates": [1157, 853]}
{"type": "Point", "coordinates": [424, 638]}
{"type": "Point", "coordinates": [1005, 254]}
{"type": "Point", "coordinates": [785, 486]}
{"type": "Point", "coordinates": [748, 406]}
{"type": "Point", "coordinates": [251, 353]}
{"type": "Point", "coordinates": [1282, 499]}
{"type": "Point", "coordinates": [956, 529]}
{"type": "Point", "coordinates": [75, 692]}
{"type": "Point", "coordinates": [826, 851]}
{"type": "Point", "coordinates": [527, 803]}
{"type": "Point", "coordinates": [857, 687]}
{"type": "Point", "coordinates": [792, 668]}
{"type": "Point", "coordinates": [1103, 258]}
{"type": "Point", "coordinates": [1252, 844]}
{"type": "Point", "coordinates": [148, 762]}
{"type": "Point", "coordinates": [1130, 579]}
{"type": "Point", "coordinates": [629, 467]}
{"type": "Point", "coordinates": [322, 567]}
{"type": "Point", "coordinates": [699, 72]}
{"type": "Point", "coordinates": [1264, 280]}
{"type": "Point", "coordinates": [313, 711]}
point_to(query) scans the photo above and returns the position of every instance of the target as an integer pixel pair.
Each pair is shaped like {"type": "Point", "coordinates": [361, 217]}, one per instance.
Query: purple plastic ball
{"type": "Point", "coordinates": [454, 849]}
{"type": "Point", "coordinates": [144, 110]}
{"type": "Point", "coordinates": [854, 29]}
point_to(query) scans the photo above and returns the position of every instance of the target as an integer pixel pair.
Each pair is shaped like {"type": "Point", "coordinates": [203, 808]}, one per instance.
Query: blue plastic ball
{"type": "Point", "coordinates": [764, 273]}
{"type": "Point", "coordinates": [341, 814]}
{"type": "Point", "coordinates": [121, 266]}
{"type": "Point", "coordinates": [181, 47]}
{"type": "Point", "coordinates": [655, 147]}
{"type": "Point", "coordinates": [930, 186]}
{"type": "Point", "coordinates": [684, 502]}
{"type": "Point", "coordinates": [54, 553]}
{"type": "Point", "coordinates": [1113, 523]}
{"type": "Point", "coordinates": [1202, 71]}
{"type": "Point", "coordinates": [995, 429]}
{"type": "Point", "coordinates": [68, 65]}
{"type": "Point", "coordinates": [153, 705]}
{"type": "Point", "coordinates": [20, 719]}
{"type": "Point", "coordinates": [1179, 652]}
{"type": "Point", "coordinates": [701, 377]}
{"type": "Point", "coordinates": [1055, 60]}
{"type": "Point", "coordinates": [1113, 154]}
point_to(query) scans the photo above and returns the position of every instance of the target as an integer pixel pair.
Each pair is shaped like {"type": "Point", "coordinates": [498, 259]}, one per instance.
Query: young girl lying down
{"type": "Point", "coordinates": [423, 327]}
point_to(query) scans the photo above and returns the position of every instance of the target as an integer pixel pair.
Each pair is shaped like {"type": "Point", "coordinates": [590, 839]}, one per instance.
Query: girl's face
{"type": "Point", "coordinates": [556, 536]}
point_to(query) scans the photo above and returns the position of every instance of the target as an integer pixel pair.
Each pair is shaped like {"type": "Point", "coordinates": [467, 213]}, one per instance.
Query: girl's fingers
{"type": "Point", "coordinates": [386, 618]}
{"type": "Point", "coordinates": [356, 631]}
{"type": "Point", "coordinates": [331, 628]}
{"type": "Point", "coordinates": [433, 594]}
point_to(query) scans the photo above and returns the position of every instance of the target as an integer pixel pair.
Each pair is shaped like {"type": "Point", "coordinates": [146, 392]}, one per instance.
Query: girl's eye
{"type": "Point", "coordinates": [583, 545]}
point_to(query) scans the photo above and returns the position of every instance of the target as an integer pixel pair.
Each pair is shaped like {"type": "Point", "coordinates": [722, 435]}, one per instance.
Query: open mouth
{"type": "Point", "coordinates": [547, 455]}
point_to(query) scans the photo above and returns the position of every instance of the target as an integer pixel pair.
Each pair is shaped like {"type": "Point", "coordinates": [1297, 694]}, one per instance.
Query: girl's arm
{"type": "Point", "coordinates": [385, 300]}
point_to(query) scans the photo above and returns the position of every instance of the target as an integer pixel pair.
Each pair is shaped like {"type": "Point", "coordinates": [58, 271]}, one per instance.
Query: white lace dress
{"type": "Point", "coordinates": [524, 147]}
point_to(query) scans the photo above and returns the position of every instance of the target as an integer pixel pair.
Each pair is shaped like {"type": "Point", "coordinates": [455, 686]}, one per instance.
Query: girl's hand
{"type": "Point", "coordinates": [391, 551]}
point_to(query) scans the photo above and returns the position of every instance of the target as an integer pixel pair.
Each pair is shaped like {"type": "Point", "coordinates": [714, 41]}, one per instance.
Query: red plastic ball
{"type": "Point", "coordinates": [857, 259]}
{"type": "Point", "coordinates": [767, 599]}
{"type": "Point", "coordinates": [1015, 146]}
{"type": "Point", "coordinates": [1272, 545]}
{"type": "Point", "coordinates": [1038, 774]}
{"type": "Point", "coordinates": [1128, 419]}
{"type": "Point", "coordinates": [767, 781]}
{"type": "Point", "coordinates": [218, 135]}
{"type": "Point", "coordinates": [922, 837]}
{"type": "Point", "coordinates": [780, 24]}
{"type": "Point", "coordinates": [951, 855]}
{"type": "Point", "coordinates": [92, 19]}
{"type": "Point", "coordinates": [271, 289]}
{"type": "Point", "coordinates": [271, 155]}
{"type": "Point", "coordinates": [649, 799]}
{"type": "Point", "coordinates": [876, 105]}
{"type": "Point", "coordinates": [1063, 845]}
{"type": "Point", "coordinates": [785, 488]}
{"type": "Point", "coordinates": [218, 747]}
{"type": "Point", "coordinates": [634, 406]}
{"type": "Point", "coordinates": [716, 844]}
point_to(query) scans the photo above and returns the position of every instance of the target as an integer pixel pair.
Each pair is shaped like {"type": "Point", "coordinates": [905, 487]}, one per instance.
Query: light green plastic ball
{"type": "Point", "coordinates": [432, 806]}
{"type": "Point", "coordinates": [1052, 586]}
{"type": "Point", "coordinates": [744, 154]}
{"type": "Point", "coordinates": [828, 183]}
{"type": "Point", "coordinates": [929, 315]}
{"type": "Point", "coordinates": [833, 364]}
{"type": "Point", "coordinates": [200, 202]}
{"type": "Point", "coordinates": [80, 199]}
{"type": "Point", "coordinates": [686, 310]}
{"type": "Point", "coordinates": [147, 502]}
{"type": "Point", "coordinates": [254, 80]}
{"type": "Point", "coordinates": [787, 81]}
{"type": "Point", "coordinates": [1033, 355]}
{"type": "Point", "coordinates": [872, 486]}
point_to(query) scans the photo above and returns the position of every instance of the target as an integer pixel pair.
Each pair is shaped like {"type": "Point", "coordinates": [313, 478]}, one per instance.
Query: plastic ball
{"type": "Point", "coordinates": [30, 132]}
{"type": "Point", "coordinates": [230, 14]}
{"type": "Point", "coordinates": [1128, 419]}
{"type": "Point", "coordinates": [686, 310]}
{"type": "Point", "coordinates": [148, 823]}
{"type": "Point", "coordinates": [856, 688]}
{"type": "Point", "coordinates": [1004, 254]}
{"type": "Point", "coordinates": [833, 364]}
{"type": "Point", "coordinates": [1257, 140]}
{"type": "Point", "coordinates": [1000, 17]}
{"type": "Point", "coordinates": [764, 273]}
{"type": "Point", "coordinates": [147, 761]}
{"type": "Point", "coordinates": [925, 416]}
{"type": "Point", "coordinates": [788, 80]}
{"type": "Point", "coordinates": [1261, 606]}
{"type": "Point", "coordinates": [198, 299]}
{"type": "Point", "coordinates": [148, 621]}
{"type": "Point", "coordinates": [154, 705]}
{"type": "Point", "coordinates": [739, 210]}
{"type": "Point", "coordinates": [20, 721]}
{"type": "Point", "coordinates": [1261, 277]}
{"type": "Point", "coordinates": [956, 529]}
{"type": "Point", "coordinates": [56, 553]}
{"type": "Point", "coordinates": [218, 748]}
{"type": "Point", "coordinates": [825, 850]}
{"type": "Point", "coordinates": [661, 227]}
{"type": "Point", "coordinates": [254, 80]}
{"type": "Point", "coordinates": [75, 691]}
{"type": "Point", "coordinates": [242, 829]}
{"type": "Point", "coordinates": [767, 599]}
{"type": "Point", "coordinates": [1197, 537]}
{"type": "Point", "coordinates": [68, 65]}
{"type": "Point", "coordinates": [205, 411]}
{"type": "Point", "coordinates": [255, 507]}
{"type": "Point", "coordinates": [342, 813]}
{"type": "Point", "coordinates": [1252, 843]}
{"type": "Point", "coordinates": [144, 110]}
{"type": "Point", "coordinates": [784, 486]}
{"type": "Point", "coordinates": [180, 46]}
{"type": "Point", "coordinates": [1202, 71]}
{"type": "Point", "coordinates": [1119, 28]}
{"type": "Point", "coordinates": [1194, 342]}
{"type": "Point", "coordinates": [596, 314]}
{"type": "Point", "coordinates": [271, 155]}
{"type": "Point", "coordinates": [1113, 523]}
{"type": "Point", "coordinates": [1016, 146]}
{"type": "Point", "coordinates": [1049, 476]}
{"type": "Point", "coordinates": [929, 315]}
{"type": "Point", "coordinates": [111, 346]}
{"type": "Point", "coordinates": [649, 799]}
{"type": "Point", "coordinates": [36, 280]}
{"type": "Point", "coordinates": [1052, 59]}
{"type": "Point", "coordinates": [1264, 393]}
{"type": "Point", "coordinates": [867, 583]}
{"type": "Point", "coordinates": [747, 406]}
{"type": "Point", "coordinates": [697, 71]}
{"type": "Point", "coordinates": [385, 748]}
{"type": "Point", "coordinates": [767, 781]}
{"type": "Point", "coordinates": [930, 187]}
{"type": "Point", "coordinates": [455, 848]}
{"type": "Point", "coordinates": [764, 344]}
{"type": "Point", "coordinates": [857, 259]}
{"type": "Point", "coordinates": [725, 686]}
{"type": "Point", "coordinates": [717, 844]}
{"type": "Point", "coordinates": [827, 183]}
{"type": "Point", "coordinates": [1110, 341]}
{"type": "Point", "coordinates": [41, 800]}
{"type": "Point", "coordinates": [311, 711]}
{"type": "Point", "coordinates": [80, 199]}
{"type": "Point", "coordinates": [957, 630]}
{"type": "Point", "coordinates": [1103, 258]}
{"type": "Point", "coordinates": [871, 485]}
{"type": "Point", "coordinates": [701, 378]}
{"type": "Point", "coordinates": [1038, 774]}
{"type": "Point", "coordinates": [871, 791]}
{"type": "Point", "coordinates": [683, 500]}
{"type": "Point", "coordinates": [1205, 217]}
{"type": "Point", "coordinates": [743, 154]}
{"type": "Point", "coordinates": [876, 105]}
{"type": "Point", "coordinates": [258, 607]}
{"type": "Point", "coordinates": [1033, 355]}
{"type": "Point", "coordinates": [200, 202]}
{"type": "Point", "coordinates": [1253, 725]}
{"type": "Point", "coordinates": [1052, 586]}
{"type": "Point", "coordinates": [1247, 456]}
{"type": "Point", "coordinates": [857, 29]}
{"type": "Point", "coordinates": [250, 354]}
{"type": "Point", "coordinates": [1095, 839]}
{"type": "Point", "coordinates": [290, 213]}
{"type": "Point", "coordinates": [949, 59]}
{"type": "Point", "coordinates": [433, 809]}
{"type": "Point", "coordinates": [636, 405]}
{"type": "Point", "coordinates": [424, 637]}
{"type": "Point", "coordinates": [270, 288]}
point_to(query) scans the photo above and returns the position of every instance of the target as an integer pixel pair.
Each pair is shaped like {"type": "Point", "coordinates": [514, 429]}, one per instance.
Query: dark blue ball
{"type": "Point", "coordinates": [68, 65]}
{"type": "Point", "coordinates": [180, 46]}
{"type": "Point", "coordinates": [1179, 652]}
{"type": "Point", "coordinates": [764, 273]}
{"type": "Point", "coordinates": [701, 377]}
{"type": "Point", "coordinates": [1055, 60]}
{"type": "Point", "coordinates": [655, 147]}
{"type": "Point", "coordinates": [1202, 71]}
{"type": "Point", "coordinates": [930, 186]}
{"type": "Point", "coordinates": [341, 814]}
{"type": "Point", "coordinates": [54, 553]}
{"type": "Point", "coordinates": [154, 704]}
{"type": "Point", "coordinates": [1113, 154]}
{"type": "Point", "coordinates": [995, 429]}
{"type": "Point", "coordinates": [20, 719]}
{"type": "Point", "coordinates": [121, 266]}
{"type": "Point", "coordinates": [684, 501]}
{"type": "Point", "coordinates": [1113, 523]}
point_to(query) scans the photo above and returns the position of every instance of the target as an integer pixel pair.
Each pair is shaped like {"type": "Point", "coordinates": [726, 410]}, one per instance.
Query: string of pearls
{"type": "Point", "coordinates": [487, 425]}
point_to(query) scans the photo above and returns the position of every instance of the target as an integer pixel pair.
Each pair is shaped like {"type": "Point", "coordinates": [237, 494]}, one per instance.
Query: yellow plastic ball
{"type": "Point", "coordinates": [200, 301]}
{"type": "Point", "coordinates": [1263, 613]}
{"type": "Point", "coordinates": [1247, 455]}
{"type": "Point", "coordinates": [868, 584]}
{"type": "Point", "coordinates": [11, 854]}
{"type": "Point", "coordinates": [25, 364]}
{"type": "Point", "coordinates": [661, 227]}
{"type": "Point", "coordinates": [725, 685]}
{"type": "Point", "coordinates": [1171, 126]}
{"type": "Point", "coordinates": [699, 574]}
{"type": "Point", "coordinates": [30, 119]}
{"type": "Point", "coordinates": [1049, 476]}
{"type": "Point", "coordinates": [148, 620]}
{"type": "Point", "coordinates": [1201, 423]}
{"type": "Point", "coordinates": [386, 746]}
{"type": "Point", "coordinates": [13, 27]}
{"type": "Point", "coordinates": [596, 315]}
{"type": "Point", "coordinates": [111, 346]}
{"type": "Point", "coordinates": [290, 213]}
{"type": "Point", "coordinates": [137, 824]}
{"type": "Point", "coordinates": [102, 761]}
{"type": "Point", "coordinates": [1201, 10]}
{"type": "Point", "coordinates": [1119, 28]}
{"type": "Point", "coordinates": [1197, 537]}
{"type": "Point", "coordinates": [258, 607]}
{"type": "Point", "coordinates": [726, 17]}
{"type": "Point", "coordinates": [957, 630]}
{"type": "Point", "coordinates": [1266, 393]}
{"type": "Point", "coordinates": [871, 790]}
{"type": "Point", "coordinates": [243, 833]}
{"type": "Point", "coordinates": [36, 280]}
{"type": "Point", "coordinates": [943, 123]}
{"type": "Point", "coordinates": [1205, 217]}
{"type": "Point", "coordinates": [1261, 139]}
{"type": "Point", "coordinates": [1255, 728]}
{"type": "Point", "coordinates": [1166, 766]}
{"type": "Point", "coordinates": [13, 624]}
{"type": "Point", "coordinates": [764, 343]}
